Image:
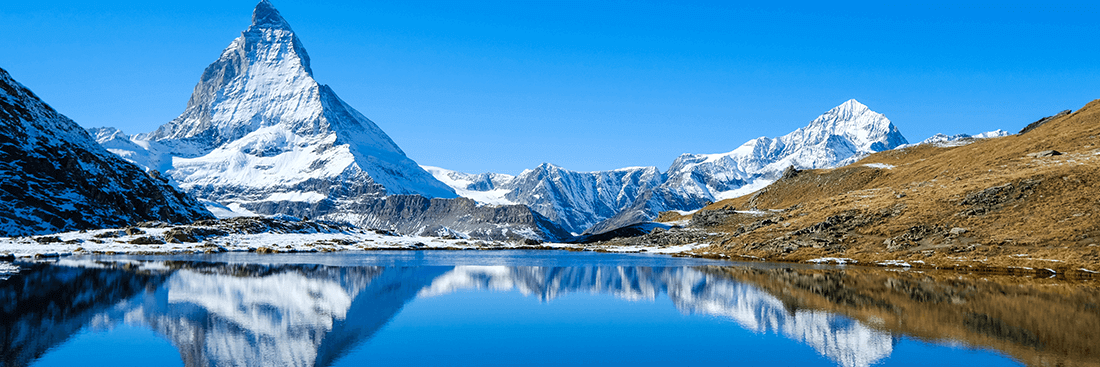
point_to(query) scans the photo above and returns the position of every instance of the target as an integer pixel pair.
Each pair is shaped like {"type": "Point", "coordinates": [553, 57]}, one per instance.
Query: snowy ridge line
{"type": "Point", "coordinates": [946, 141]}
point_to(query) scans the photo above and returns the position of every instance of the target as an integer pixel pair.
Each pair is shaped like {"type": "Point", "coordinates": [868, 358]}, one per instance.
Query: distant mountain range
{"type": "Point", "coordinates": [596, 202]}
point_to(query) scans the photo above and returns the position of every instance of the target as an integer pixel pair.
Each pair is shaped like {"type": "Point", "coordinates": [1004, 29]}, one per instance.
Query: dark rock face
{"type": "Point", "coordinates": [646, 207]}
{"type": "Point", "coordinates": [417, 215]}
{"type": "Point", "coordinates": [579, 200]}
{"type": "Point", "coordinates": [1042, 121]}
{"type": "Point", "coordinates": [54, 177]}
{"type": "Point", "coordinates": [1045, 153]}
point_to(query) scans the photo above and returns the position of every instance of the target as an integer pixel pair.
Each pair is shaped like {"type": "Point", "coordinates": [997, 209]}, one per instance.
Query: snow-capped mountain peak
{"type": "Point", "coordinates": [260, 132]}
{"type": "Point", "coordinates": [266, 63]}
{"type": "Point", "coordinates": [846, 131]}
{"type": "Point", "coordinates": [865, 129]}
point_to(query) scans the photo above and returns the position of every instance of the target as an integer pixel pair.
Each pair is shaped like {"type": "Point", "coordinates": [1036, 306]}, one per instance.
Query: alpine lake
{"type": "Point", "coordinates": [506, 308]}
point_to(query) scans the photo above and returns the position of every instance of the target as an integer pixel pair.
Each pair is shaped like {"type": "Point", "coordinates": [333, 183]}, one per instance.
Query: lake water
{"type": "Point", "coordinates": [505, 308]}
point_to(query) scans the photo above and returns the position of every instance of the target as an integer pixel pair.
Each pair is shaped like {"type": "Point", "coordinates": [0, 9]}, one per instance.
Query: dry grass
{"type": "Point", "coordinates": [1051, 211]}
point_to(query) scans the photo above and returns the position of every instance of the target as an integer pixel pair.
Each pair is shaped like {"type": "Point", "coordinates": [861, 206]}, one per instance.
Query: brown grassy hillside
{"type": "Point", "coordinates": [991, 203]}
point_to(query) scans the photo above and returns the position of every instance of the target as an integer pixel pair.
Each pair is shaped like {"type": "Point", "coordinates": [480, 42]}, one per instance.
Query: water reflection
{"type": "Point", "coordinates": [220, 314]}
{"type": "Point", "coordinates": [693, 291]}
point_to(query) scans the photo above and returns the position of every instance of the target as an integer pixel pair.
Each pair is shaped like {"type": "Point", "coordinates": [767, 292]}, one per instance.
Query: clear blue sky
{"type": "Point", "coordinates": [503, 86]}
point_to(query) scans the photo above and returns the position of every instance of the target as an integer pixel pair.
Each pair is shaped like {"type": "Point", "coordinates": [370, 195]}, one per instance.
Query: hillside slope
{"type": "Point", "coordinates": [54, 177]}
{"type": "Point", "coordinates": [1007, 203]}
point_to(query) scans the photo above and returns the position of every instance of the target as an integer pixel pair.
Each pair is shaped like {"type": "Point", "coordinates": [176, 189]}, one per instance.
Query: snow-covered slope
{"type": "Point", "coordinates": [574, 200]}
{"type": "Point", "coordinates": [485, 188]}
{"type": "Point", "coordinates": [944, 140]}
{"type": "Point", "coordinates": [260, 133]}
{"type": "Point", "coordinates": [838, 137]}
{"type": "Point", "coordinates": [54, 177]}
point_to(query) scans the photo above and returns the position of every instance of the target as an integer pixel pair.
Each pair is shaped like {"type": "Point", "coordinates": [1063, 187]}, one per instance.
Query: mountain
{"type": "Point", "coordinates": [837, 137]}
{"type": "Point", "coordinates": [573, 200]}
{"type": "Point", "coordinates": [54, 177]}
{"type": "Point", "coordinates": [261, 136]}
{"type": "Point", "coordinates": [260, 132]}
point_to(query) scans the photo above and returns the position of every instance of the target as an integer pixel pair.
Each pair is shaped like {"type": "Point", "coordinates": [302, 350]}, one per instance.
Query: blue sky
{"type": "Point", "coordinates": [503, 86]}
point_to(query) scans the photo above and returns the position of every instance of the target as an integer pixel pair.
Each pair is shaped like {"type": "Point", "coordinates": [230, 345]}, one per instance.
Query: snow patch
{"type": "Point", "coordinates": [880, 165]}
{"type": "Point", "coordinates": [832, 260]}
{"type": "Point", "coordinates": [901, 263]}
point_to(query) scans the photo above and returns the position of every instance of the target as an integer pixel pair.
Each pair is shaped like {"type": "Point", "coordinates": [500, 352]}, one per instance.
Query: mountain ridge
{"type": "Point", "coordinates": [54, 177]}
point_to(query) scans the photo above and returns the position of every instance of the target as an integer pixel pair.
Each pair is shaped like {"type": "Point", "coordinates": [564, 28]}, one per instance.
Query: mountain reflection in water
{"type": "Point", "coordinates": [226, 314]}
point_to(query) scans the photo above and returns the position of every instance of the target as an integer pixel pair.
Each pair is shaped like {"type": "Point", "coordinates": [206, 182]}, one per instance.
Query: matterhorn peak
{"type": "Point", "coordinates": [266, 16]}
{"type": "Point", "coordinates": [260, 132]}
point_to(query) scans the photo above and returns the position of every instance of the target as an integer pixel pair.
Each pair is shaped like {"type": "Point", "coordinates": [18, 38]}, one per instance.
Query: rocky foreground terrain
{"type": "Point", "coordinates": [1025, 203]}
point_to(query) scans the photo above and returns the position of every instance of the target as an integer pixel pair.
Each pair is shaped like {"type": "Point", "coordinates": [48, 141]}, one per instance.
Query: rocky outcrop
{"type": "Point", "coordinates": [54, 177]}
{"type": "Point", "coordinates": [1042, 121]}
{"type": "Point", "coordinates": [991, 199]}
